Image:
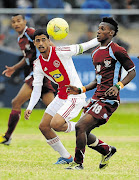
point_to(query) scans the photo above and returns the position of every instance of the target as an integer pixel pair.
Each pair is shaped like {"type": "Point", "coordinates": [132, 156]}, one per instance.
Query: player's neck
{"type": "Point", "coordinates": [21, 32]}
{"type": "Point", "coordinates": [106, 42]}
{"type": "Point", "coordinates": [45, 54]}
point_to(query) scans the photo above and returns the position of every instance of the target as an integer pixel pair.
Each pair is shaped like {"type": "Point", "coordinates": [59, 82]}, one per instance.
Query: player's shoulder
{"type": "Point", "coordinates": [30, 31]}
{"type": "Point", "coordinates": [116, 48]}
{"type": "Point", "coordinates": [36, 61]}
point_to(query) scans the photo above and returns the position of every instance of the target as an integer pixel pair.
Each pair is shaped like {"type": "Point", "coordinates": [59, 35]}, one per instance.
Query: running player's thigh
{"type": "Point", "coordinates": [57, 120]}
{"type": "Point", "coordinates": [46, 119]}
{"type": "Point", "coordinates": [47, 98]}
{"type": "Point", "coordinates": [24, 94]}
{"type": "Point", "coordinates": [86, 122]}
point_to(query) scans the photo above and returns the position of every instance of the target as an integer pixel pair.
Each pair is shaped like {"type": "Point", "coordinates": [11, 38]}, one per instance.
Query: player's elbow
{"type": "Point", "coordinates": [133, 73]}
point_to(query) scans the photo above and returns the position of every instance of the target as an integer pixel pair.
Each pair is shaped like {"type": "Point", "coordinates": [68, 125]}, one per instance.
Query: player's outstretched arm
{"type": "Point", "coordinates": [91, 85]}
{"type": "Point", "coordinates": [35, 96]}
{"type": "Point", "coordinates": [10, 70]}
{"type": "Point", "coordinates": [73, 90]}
{"type": "Point", "coordinates": [76, 90]}
{"type": "Point", "coordinates": [88, 45]}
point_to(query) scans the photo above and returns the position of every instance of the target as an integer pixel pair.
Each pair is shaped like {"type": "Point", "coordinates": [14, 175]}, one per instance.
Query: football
{"type": "Point", "coordinates": [57, 28]}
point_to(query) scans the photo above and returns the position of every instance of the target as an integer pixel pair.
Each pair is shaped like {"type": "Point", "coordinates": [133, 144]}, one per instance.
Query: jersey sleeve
{"type": "Point", "coordinates": [35, 96]}
{"type": "Point", "coordinates": [30, 32]}
{"type": "Point", "coordinates": [76, 49]}
{"type": "Point", "coordinates": [37, 74]}
{"type": "Point", "coordinates": [68, 51]}
{"type": "Point", "coordinates": [37, 83]}
{"type": "Point", "coordinates": [122, 56]}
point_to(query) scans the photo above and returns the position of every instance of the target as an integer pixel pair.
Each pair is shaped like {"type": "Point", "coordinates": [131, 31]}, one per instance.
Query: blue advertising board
{"type": "Point", "coordinates": [86, 72]}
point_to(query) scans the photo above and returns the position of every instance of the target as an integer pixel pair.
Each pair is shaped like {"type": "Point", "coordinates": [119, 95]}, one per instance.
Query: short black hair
{"type": "Point", "coordinates": [18, 15]}
{"type": "Point", "coordinates": [111, 21]}
{"type": "Point", "coordinates": [40, 32]}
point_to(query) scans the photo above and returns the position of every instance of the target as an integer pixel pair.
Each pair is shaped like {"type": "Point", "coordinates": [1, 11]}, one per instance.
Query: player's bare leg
{"type": "Point", "coordinates": [47, 98]}
{"type": "Point", "coordinates": [53, 140]}
{"type": "Point", "coordinates": [22, 96]}
{"type": "Point", "coordinates": [84, 137]}
{"type": "Point", "coordinates": [58, 123]}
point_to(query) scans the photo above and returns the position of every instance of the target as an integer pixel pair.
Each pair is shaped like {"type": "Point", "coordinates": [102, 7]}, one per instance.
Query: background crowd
{"type": "Point", "coordinates": [8, 35]}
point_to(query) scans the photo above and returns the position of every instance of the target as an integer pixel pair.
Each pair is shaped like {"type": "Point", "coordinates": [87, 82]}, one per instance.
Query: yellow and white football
{"type": "Point", "coordinates": [57, 28]}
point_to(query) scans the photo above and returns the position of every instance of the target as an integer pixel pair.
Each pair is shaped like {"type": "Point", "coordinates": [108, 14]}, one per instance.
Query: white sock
{"type": "Point", "coordinates": [71, 126]}
{"type": "Point", "coordinates": [95, 143]}
{"type": "Point", "coordinates": [56, 144]}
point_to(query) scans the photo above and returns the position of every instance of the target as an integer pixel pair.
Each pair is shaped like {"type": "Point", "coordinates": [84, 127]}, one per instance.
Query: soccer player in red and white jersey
{"type": "Point", "coordinates": [108, 60]}
{"type": "Point", "coordinates": [25, 42]}
{"type": "Point", "coordinates": [56, 64]}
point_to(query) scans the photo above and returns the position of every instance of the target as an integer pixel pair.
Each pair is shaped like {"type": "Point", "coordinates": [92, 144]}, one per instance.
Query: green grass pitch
{"type": "Point", "coordinates": [29, 157]}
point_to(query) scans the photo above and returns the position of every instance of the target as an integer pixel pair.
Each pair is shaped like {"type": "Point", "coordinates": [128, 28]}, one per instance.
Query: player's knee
{"type": "Point", "coordinates": [14, 103]}
{"type": "Point", "coordinates": [78, 128]}
{"type": "Point", "coordinates": [55, 126]}
{"type": "Point", "coordinates": [43, 127]}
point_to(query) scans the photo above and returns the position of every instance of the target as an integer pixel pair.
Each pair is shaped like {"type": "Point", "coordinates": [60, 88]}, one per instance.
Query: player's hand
{"type": "Point", "coordinates": [8, 71]}
{"type": "Point", "coordinates": [72, 89]}
{"type": "Point", "coordinates": [112, 91]}
{"type": "Point", "coordinates": [27, 114]}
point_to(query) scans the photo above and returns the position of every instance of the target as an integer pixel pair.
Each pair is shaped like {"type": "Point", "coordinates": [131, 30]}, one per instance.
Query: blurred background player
{"type": "Point", "coordinates": [25, 42]}
{"type": "Point", "coordinates": [108, 60]}
{"type": "Point", "coordinates": [56, 63]}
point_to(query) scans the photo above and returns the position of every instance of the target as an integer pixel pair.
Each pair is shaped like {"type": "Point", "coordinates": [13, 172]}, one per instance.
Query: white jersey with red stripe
{"type": "Point", "coordinates": [59, 68]}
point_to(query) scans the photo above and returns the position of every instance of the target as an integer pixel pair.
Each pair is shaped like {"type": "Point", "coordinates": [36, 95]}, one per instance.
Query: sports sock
{"type": "Point", "coordinates": [71, 126]}
{"type": "Point", "coordinates": [79, 155]}
{"type": "Point", "coordinates": [56, 144]}
{"type": "Point", "coordinates": [13, 120]}
{"type": "Point", "coordinates": [100, 147]}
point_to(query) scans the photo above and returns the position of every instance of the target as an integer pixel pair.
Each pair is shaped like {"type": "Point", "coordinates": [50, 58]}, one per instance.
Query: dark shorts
{"type": "Point", "coordinates": [101, 109]}
{"type": "Point", "coordinates": [47, 86]}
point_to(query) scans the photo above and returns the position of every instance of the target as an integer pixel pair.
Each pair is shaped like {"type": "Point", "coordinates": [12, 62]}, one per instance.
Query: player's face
{"type": "Point", "coordinates": [18, 23]}
{"type": "Point", "coordinates": [104, 32]}
{"type": "Point", "coordinates": [42, 43]}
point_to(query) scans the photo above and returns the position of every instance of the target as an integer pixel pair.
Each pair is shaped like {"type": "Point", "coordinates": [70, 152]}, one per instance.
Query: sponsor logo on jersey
{"type": "Point", "coordinates": [56, 74]}
{"type": "Point", "coordinates": [107, 63]}
{"type": "Point", "coordinates": [56, 63]}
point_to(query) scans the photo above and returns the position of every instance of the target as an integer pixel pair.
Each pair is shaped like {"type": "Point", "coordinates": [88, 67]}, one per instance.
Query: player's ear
{"type": "Point", "coordinates": [25, 21]}
{"type": "Point", "coordinates": [112, 32]}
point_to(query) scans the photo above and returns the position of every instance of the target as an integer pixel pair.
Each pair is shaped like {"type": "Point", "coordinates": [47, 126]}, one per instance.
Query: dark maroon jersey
{"type": "Point", "coordinates": [108, 62]}
{"type": "Point", "coordinates": [27, 47]}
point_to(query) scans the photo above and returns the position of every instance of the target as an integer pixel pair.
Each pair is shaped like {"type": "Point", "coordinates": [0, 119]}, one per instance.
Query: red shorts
{"type": "Point", "coordinates": [47, 86]}
{"type": "Point", "coordinates": [101, 109]}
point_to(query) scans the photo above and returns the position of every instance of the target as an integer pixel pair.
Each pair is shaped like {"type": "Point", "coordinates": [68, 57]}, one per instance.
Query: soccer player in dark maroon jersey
{"type": "Point", "coordinates": [108, 60]}
{"type": "Point", "coordinates": [25, 42]}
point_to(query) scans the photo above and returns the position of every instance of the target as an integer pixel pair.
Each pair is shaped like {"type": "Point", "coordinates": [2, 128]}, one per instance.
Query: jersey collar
{"type": "Point", "coordinates": [104, 47]}
{"type": "Point", "coordinates": [21, 35]}
{"type": "Point", "coordinates": [48, 56]}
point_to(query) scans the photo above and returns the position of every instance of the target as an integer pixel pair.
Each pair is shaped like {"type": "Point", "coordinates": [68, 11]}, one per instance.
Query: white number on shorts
{"type": "Point", "coordinates": [97, 108]}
